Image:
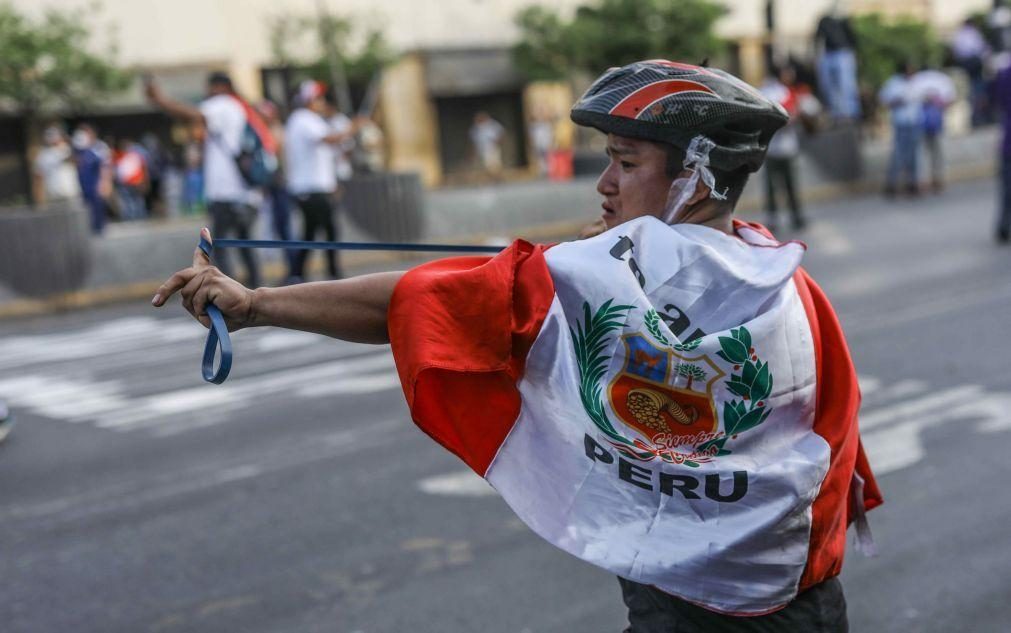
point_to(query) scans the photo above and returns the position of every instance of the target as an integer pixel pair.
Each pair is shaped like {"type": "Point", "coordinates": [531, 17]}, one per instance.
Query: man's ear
{"type": "Point", "coordinates": [701, 192]}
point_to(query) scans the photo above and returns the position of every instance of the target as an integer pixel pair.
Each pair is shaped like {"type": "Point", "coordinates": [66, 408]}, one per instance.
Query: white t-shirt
{"type": "Point", "coordinates": [487, 135]}
{"type": "Point", "coordinates": [902, 95]}
{"type": "Point", "coordinates": [226, 121]}
{"type": "Point", "coordinates": [309, 161]}
{"type": "Point", "coordinates": [59, 175]}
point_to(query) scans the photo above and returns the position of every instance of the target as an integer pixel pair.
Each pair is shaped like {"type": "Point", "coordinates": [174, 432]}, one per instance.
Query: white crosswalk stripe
{"type": "Point", "coordinates": [142, 373]}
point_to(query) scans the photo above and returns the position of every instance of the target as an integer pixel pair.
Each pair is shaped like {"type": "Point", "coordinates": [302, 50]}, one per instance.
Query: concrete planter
{"type": "Point", "coordinates": [387, 206]}
{"type": "Point", "coordinates": [45, 251]}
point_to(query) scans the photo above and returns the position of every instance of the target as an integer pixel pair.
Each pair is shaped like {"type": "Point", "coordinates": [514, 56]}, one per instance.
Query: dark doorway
{"type": "Point", "coordinates": [14, 179]}
{"type": "Point", "coordinates": [456, 115]}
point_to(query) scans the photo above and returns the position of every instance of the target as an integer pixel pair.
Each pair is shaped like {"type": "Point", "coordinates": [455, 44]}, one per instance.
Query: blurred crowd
{"type": "Point", "coordinates": [300, 158]}
{"type": "Point", "coordinates": [126, 179]}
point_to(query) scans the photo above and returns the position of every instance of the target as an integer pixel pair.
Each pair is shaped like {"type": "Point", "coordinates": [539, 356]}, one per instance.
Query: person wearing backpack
{"type": "Point", "coordinates": [237, 148]}
{"type": "Point", "coordinates": [310, 143]}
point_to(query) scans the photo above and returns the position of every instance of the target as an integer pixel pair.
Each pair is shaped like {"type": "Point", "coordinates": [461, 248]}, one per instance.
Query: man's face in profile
{"type": "Point", "coordinates": [635, 182]}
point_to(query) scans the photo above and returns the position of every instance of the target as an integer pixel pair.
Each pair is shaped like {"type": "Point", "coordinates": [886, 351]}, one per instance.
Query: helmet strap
{"type": "Point", "coordinates": [682, 189]}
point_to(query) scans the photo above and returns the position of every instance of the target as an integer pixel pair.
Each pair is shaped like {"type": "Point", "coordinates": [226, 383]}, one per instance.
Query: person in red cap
{"type": "Point", "coordinates": [671, 400]}
{"type": "Point", "coordinates": [310, 168]}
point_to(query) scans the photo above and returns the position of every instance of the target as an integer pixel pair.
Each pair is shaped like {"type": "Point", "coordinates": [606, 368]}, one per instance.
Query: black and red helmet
{"type": "Point", "coordinates": [670, 102]}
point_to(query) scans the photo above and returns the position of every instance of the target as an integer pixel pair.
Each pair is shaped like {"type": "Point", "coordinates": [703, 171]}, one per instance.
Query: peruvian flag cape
{"type": "Point", "coordinates": [671, 403]}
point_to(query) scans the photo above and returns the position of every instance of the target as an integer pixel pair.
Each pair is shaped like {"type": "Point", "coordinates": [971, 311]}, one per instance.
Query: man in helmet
{"type": "Point", "coordinates": [652, 399]}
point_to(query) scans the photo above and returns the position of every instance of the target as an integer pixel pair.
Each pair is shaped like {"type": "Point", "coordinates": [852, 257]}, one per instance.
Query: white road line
{"type": "Point", "coordinates": [829, 240]}
{"type": "Point", "coordinates": [868, 385]}
{"type": "Point", "coordinates": [465, 483]}
{"type": "Point", "coordinates": [147, 410]}
{"type": "Point", "coordinates": [902, 389]}
{"type": "Point", "coordinates": [132, 494]}
{"type": "Point", "coordinates": [140, 335]}
{"type": "Point", "coordinates": [893, 435]}
{"type": "Point", "coordinates": [937, 402]}
{"type": "Point", "coordinates": [862, 323]}
{"type": "Point", "coordinates": [108, 405]}
{"type": "Point", "coordinates": [352, 385]}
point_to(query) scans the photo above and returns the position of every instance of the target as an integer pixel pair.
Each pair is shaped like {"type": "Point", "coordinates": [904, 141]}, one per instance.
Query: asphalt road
{"type": "Point", "coordinates": [298, 497]}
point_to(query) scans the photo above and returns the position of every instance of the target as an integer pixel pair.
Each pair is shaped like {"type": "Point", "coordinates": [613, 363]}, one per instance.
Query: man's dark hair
{"type": "Point", "coordinates": [219, 78]}
{"type": "Point", "coordinates": [733, 181]}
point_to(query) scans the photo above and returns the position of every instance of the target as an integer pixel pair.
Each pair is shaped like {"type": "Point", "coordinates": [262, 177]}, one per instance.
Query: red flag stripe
{"type": "Point", "coordinates": [634, 104]}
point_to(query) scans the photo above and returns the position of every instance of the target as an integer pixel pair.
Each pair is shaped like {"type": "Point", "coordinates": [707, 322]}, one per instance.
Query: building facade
{"type": "Point", "coordinates": [453, 58]}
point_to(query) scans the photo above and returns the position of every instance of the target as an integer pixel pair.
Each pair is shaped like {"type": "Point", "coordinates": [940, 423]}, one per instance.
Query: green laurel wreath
{"type": "Point", "coordinates": [590, 339]}
{"type": "Point", "coordinates": [652, 322]}
{"type": "Point", "coordinates": [690, 346]}
{"type": "Point", "coordinates": [753, 385]}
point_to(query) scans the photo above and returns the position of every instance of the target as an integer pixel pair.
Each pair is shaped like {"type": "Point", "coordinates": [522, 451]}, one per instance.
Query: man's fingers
{"type": "Point", "coordinates": [172, 285]}
{"type": "Point", "coordinates": [189, 293]}
{"type": "Point", "coordinates": [200, 258]}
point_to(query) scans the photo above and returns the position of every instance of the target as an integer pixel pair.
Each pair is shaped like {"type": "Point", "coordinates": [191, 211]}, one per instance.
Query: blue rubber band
{"type": "Point", "coordinates": [358, 246]}
{"type": "Point", "coordinates": [217, 337]}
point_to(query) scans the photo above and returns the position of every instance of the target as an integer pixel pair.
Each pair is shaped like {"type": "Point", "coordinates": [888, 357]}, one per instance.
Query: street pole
{"type": "Point", "coordinates": [337, 75]}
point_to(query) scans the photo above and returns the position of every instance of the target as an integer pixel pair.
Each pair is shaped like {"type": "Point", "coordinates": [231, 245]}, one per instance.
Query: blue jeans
{"type": "Point", "coordinates": [131, 203]}
{"type": "Point", "coordinates": [1004, 218]}
{"type": "Point", "coordinates": [837, 79]}
{"type": "Point", "coordinates": [905, 155]}
{"type": "Point", "coordinates": [280, 215]}
{"type": "Point", "coordinates": [96, 209]}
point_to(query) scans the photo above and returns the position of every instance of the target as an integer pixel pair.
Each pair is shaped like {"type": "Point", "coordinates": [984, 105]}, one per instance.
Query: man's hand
{"type": "Point", "coordinates": [201, 284]}
{"type": "Point", "coordinates": [592, 230]}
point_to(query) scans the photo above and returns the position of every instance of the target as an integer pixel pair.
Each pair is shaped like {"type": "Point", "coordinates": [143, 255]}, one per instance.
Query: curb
{"type": "Point", "coordinates": [20, 308]}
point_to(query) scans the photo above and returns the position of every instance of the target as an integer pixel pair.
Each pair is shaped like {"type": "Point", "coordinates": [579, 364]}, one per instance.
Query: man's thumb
{"type": "Point", "coordinates": [202, 253]}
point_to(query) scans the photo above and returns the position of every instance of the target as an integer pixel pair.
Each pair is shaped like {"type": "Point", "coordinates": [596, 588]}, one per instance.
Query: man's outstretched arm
{"type": "Point", "coordinates": [350, 309]}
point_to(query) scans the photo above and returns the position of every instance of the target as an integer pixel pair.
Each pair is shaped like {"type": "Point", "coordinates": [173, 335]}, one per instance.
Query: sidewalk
{"type": "Point", "coordinates": [132, 259]}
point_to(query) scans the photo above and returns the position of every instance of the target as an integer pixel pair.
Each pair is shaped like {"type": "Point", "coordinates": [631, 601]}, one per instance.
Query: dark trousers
{"type": "Point", "coordinates": [233, 219]}
{"type": "Point", "coordinates": [779, 176]}
{"type": "Point", "coordinates": [1004, 218]}
{"type": "Point", "coordinates": [317, 213]}
{"type": "Point", "coordinates": [820, 609]}
{"type": "Point", "coordinates": [96, 209]}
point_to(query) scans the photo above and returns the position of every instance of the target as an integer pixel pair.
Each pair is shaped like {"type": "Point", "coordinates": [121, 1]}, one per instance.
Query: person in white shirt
{"type": "Point", "coordinates": [229, 199]}
{"type": "Point", "coordinates": [902, 96]}
{"type": "Point", "coordinates": [55, 172]}
{"type": "Point", "coordinates": [487, 134]}
{"type": "Point", "coordinates": [311, 167]}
